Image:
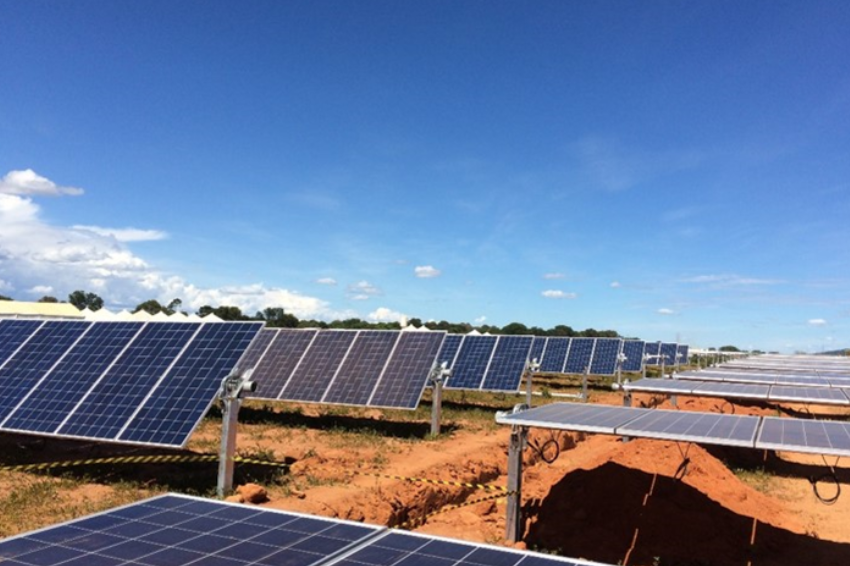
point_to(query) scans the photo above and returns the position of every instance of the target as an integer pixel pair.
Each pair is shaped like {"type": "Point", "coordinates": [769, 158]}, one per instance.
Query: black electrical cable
{"type": "Point", "coordinates": [830, 476]}
{"type": "Point", "coordinates": [682, 470]}
{"type": "Point", "coordinates": [541, 450]}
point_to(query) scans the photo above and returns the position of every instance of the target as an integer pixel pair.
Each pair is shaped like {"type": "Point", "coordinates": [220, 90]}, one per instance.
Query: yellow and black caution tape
{"type": "Point", "coordinates": [418, 522]}
{"type": "Point", "coordinates": [435, 482]}
{"type": "Point", "coordinates": [149, 459]}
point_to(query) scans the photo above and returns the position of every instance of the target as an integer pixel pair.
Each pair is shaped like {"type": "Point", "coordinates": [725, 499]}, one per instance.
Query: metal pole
{"type": "Point", "coordinates": [530, 368]}
{"type": "Point", "coordinates": [436, 406]}
{"type": "Point", "coordinates": [230, 409]}
{"type": "Point", "coordinates": [513, 522]}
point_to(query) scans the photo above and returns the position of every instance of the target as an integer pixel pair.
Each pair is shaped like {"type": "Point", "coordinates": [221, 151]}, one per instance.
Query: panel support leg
{"type": "Point", "coordinates": [436, 406]}
{"type": "Point", "coordinates": [513, 522]}
{"type": "Point", "coordinates": [230, 411]}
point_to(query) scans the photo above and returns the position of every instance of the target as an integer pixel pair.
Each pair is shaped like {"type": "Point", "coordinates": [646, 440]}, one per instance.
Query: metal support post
{"type": "Point", "coordinates": [438, 375]}
{"type": "Point", "coordinates": [584, 384]}
{"type": "Point", "coordinates": [530, 368]}
{"type": "Point", "coordinates": [513, 522]}
{"type": "Point", "coordinates": [230, 396]}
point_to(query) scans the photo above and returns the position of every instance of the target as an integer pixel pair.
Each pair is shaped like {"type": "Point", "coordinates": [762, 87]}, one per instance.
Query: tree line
{"type": "Point", "coordinates": [277, 317]}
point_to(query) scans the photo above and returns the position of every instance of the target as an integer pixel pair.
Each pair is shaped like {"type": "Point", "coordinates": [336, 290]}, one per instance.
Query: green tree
{"type": "Point", "coordinates": [276, 317]}
{"type": "Point", "coordinates": [151, 307]}
{"type": "Point", "coordinates": [223, 312]}
{"type": "Point", "coordinates": [48, 299]}
{"type": "Point", "coordinates": [82, 299]}
{"type": "Point", "coordinates": [729, 349]}
{"type": "Point", "coordinates": [5, 298]}
{"type": "Point", "coordinates": [516, 328]}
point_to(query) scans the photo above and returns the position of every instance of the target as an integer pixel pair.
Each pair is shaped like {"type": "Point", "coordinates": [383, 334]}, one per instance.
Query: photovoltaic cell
{"type": "Point", "coordinates": [59, 392]}
{"type": "Point", "coordinates": [731, 390]}
{"type": "Point", "coordinates": [658, 385]}
{"type": "Point", "coordinates": [449, 349]}
{"type": "Point", "coordinates": [113, 400]}
{"type": "Point", "coordinates": [605, 354]}
{"type": "Point", "coordinates": [652, 352]}
{"type": "Point", "coordinates": [172, 530]}
{"type": "Point", "coordinates": [471, 363]}
{"type": "Point", "coordinates": [507, 364]}
{"type": "Point", "coordinates": [633, 351]}
{"type": "Point", "coordinates": [406, 374]}
{"type": "Point", "coordinates": [311, 378]}
{"type": "Point", "coordinates": [22, 371]}
{"type": "Point", "coordinates": [275, 367]}
{"type": "Point", "coordinates": [538, 346]}
{"type": "Point", "coordinates": [805, 435]}
{"type": "Point", "coordinates": [668, 353]}
{"type": "Point", "coordinates": [363, 365]}
{"type": "Point", "coordinates": [180, 400]}
{"type": "Point", "coordinates": [682, 352]}
{"type": "Point", "coordinates": [555, 355]}
{"type": "Point", "coordinates": [13, 333]}
{"type": "Point", "coordinates": [257, 348]}
{"type": "Point", "coordinates": [581, 352]}
{"type": "Point", "coordinates": [814, 395]}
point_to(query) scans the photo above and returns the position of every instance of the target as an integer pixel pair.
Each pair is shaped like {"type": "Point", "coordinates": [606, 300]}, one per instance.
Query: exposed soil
{"type": "Point", "coordinates": [601, 499]}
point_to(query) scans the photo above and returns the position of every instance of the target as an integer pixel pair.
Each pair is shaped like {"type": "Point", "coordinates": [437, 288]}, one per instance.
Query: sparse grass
{"type": "Point", "coordinates": [758, 478]}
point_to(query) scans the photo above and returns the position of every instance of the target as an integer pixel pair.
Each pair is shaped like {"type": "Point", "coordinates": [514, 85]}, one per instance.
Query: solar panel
{"type": "Point", "coordinates": [682, 353]}
{"type": "Point", "coordinates": [581, 352]}
{"type": "Point", "coordinates": [406, 374]}
{"type": "Point", "coordinates": [537, 348]}
{"type": "Point", "coordinates": [804, 435]}
{"type": "Point", "coordinates": [508, 363]}
{"type": "Point", "coordinates": [633, 351]}
{"type": "Point", "coordinates": [605, 354]}
{"type": "Point", "coordinates": [668, 353]}
{"type": "Point", "coordinates": [172, 530]}
{"type": "Point", "coordinates": [257, 348]}
{"type": "Point", "coordinates": [657, 385]}
{"type": "Point", "coordinates": [448, 352]}
{"type": "Point", "coordinates": [738, 390]}
{"type": "Point", "coordinates": [274, 368]}
{"type": "Point", "coordinates": [364, 363]}
{"type": "Point", "coordinates": [317, 367]}
{"type": "Point", "coordinates": [555, 355]}
{"type": "Point", "coordinates": [471, 362]}
{"type": "Point", "coordinates": [13, 333]}
{"type": "Point", "coordinates": [182, 397]}
{"type": "Point", "coordinates": [652, 352]}
{"type": "Point", "coordinates": [686, 426]}
{"type": "Point", "coordinates": [815, 395]}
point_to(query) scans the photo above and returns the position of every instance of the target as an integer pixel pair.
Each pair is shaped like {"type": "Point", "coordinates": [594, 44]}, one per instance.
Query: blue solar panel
{"type": "Point", "coordinates": [605, 356]}
{"type": "Point", "coordinates": [709, 428]}
{"type": "Point", "coordinates": [363, 365]}
{"type": "Point", "coordinates": [13, 333]}
{"type": "Point", "coordinates": [114, 399]}
{"type": "Point", "coordinates": [471, 363]}
{"type": "Point", "coordinates": [180, 400]}
{"type": "Point", "coordinates": [507, 364]}
{"type": "Point", "coordinates": [318, 366]}
{"type": "Point", "coordinates": [173, 530]}
{"type": "Point", "coordinates": [47, 406]}
{"type": "Point", "coordinates": [406, 374]}
{"type": "Point", "coordinates": [449, 349]}
{"type": "Point", "coordinates": [633, 351]}
{"type": "Point", "coordinates": [537, 349]}
{"type": "Point", "coordinates": [668, 353]}
{"type": "Point", "coordinates": [682, 353]}
{"type": "Point", "coordinates": [651, 353]}
{"type": "Point", "coordinates": [555, 356]}
{"type": "Point", "coordinates": [274, 369]}
{"type": "Point", "coordinates": [581, 352]}
{"type": "Point", "coordinates": [804, 435]}
{"type": "Point", "coordinates": [22, 372]}
{"type": "Point", "coordinates": [257, 348]}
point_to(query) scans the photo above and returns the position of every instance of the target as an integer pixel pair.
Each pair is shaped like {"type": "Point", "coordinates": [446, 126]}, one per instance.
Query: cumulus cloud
{"type": "Point", "coordinates": [125, 234]}
{"type": "Point", "coordinates": [326, 281]}
{"type": "Point", "coordinates": [666, 312]}
{"type": "Point", "coordinates": [480, 320]}
{"type": "Point", "coordinates": [383, 314]}
{"type": "Point", "coordinates": [553, 276]}
{"type": "Point", "coordinates": [426, 271]}
{"type": "Point", "coordinates": [817, 322]}
{"type": "Point", "coordinates": [41, 290]}
{"type": "Point", "coordinates": [558, 294]}
{"type": "Point", "coordinates": [616, 284]}
{"type": "Point", "coordinates": [28, 182]}
{"type": "Point", "coordinates": [362, 291]}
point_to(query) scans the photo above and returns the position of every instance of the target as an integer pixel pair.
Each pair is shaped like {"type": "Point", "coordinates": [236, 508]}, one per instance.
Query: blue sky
{"type": "Point", "coordinates": [669, 170]}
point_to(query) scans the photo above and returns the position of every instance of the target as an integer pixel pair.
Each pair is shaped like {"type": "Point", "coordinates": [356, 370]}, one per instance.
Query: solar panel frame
{"type": "Point", "coordinates": [13, 334]}
{"type": "Point", "coordinates": [507, 364]}
{"type": "Point", "coordinates": [580, 355]}
{"type": "Point", "coordinates": [257, 349]}
{"type": "Point", "coordinates": [652, 351]}
{"type": "Point", "coordinates": [633, 350]}
{"type": "Point", "coordinates": [668, 353]}
{"type": "Point", "coordinates": [364, 363]}
{"type": "Point", "coordinates": [829, 438]}
{"type": "Point", "coordinates": [315, 370]}
{"type": "Point", "coordinates": [814, 395]}
{"type": "Point", "coordinates": [449, 349]}
{"type": "Point", "coordinates": [405, 376]}
{"type": "Point", "coordinates": [605, 353]}
{"type": "Point", "coordinates": [573, 417]}
{"type": "Point", "coordinates": [555, 355]}
{"type": "Point", "coordinates": [472, 362]}
{"type": "Point", "coordinates": [660, 385]}
{"type": "Point", "coordinates": [754, 391]}
{"type": "Point", "coordinates": [538, 347]}
{"type": "Point", "coordinates": [686, 426]}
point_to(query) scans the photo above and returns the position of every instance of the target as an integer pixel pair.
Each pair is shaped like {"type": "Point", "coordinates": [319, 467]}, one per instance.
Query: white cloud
{"type": "Point", "coordinates": [28, 182]}
{"type": "Point", "coordinates": [426, 271]}
{"type": "Point", "coordinates": [326, 281]}
{"type": "Point", "coordinates": [41, 290]}
{"type": "Point", "coordinates": [817, 322]}
{"type": "Point", "coordinates": [125, 234]}
{"type": "Point", "coordinates": [558, 294]}
{"type": "Point", "coordinates": [666, 312]}
{"type": "Point", "coordinates": [480, 320]}
{"type": "Point", "coordinates": [616, 284]}
{"type": "Point", "coordinates": [383, 314]}
{"type": "Point", "coordinates": [729, 280]}
{"type": "Point", "coordinates": [362, 290]}
{"type": "Point", "coordinates": [553, 276]}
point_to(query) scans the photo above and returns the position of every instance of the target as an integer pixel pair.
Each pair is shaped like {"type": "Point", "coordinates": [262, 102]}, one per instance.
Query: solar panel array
{"type": "Point", "coordinates": [763, 433]}
{"type": "Point", "coordinates": [130, 382]}
{"type": "Point", "coordinates": [486, 363]}
{"type": "Point", "coordinates": [558, 354]}
{"type": "Point", "coordinates": [178, 529]}
{"type": "Point", "coordinates": [633, 351]}
{"type": "Point", "coordinates": [735, 390]}
{"type": "Point", "coordinates": [374, 368]}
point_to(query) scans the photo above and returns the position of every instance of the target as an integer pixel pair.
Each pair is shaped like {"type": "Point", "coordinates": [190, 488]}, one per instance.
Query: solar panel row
{"type": "Point", "coordinates": [178, 529]}
{"type": "Point", "coordinates": [576, 355]}
{"type": "Point", "coordinates": [131, 382]}
{"type": "Point", "coordinates": [731, 390]}
{"type": "Point", "coordinates": [486, 363]}
{"type": "Point", "coordinates": [375, 368]}
{"type": "Point", "coordinates": [764, 433]}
